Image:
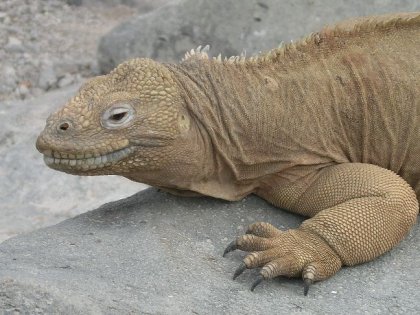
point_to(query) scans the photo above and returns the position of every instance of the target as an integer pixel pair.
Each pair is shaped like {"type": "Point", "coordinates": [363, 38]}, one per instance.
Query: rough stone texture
{"type": "Point", "coordinates": [154, 253]}
{"type": "Point", "coordinates": [229, 26]}
{"type": "Point", "coordinates": [34, 33]}
{"type": "Point", "coordinates": [31, 194]}
{"type": "Point", "coordinates": [142, 5]}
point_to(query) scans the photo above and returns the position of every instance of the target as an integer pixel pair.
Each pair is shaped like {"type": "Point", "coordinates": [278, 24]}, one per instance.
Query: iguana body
{"type": "Point", "coordinates": [321, 127]}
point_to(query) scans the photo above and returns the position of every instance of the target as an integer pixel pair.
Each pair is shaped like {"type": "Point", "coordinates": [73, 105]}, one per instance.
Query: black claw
{"type": "Point", "coordinates": [230, 248]}
{"type": "Point", "coordinates": [239, 270]}
{"type": "Point", "coordinates": [259, 279]}
{"type": "Point", "coordinates": [306, 284]}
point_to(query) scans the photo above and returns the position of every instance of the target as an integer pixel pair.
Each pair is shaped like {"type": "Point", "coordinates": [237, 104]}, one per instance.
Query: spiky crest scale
{"type": "Point", "coordinates": [344, 30]}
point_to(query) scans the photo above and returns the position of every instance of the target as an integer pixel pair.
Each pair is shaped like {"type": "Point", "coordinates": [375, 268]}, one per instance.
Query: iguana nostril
{"type": "Point", "coordinates": [64, 126]}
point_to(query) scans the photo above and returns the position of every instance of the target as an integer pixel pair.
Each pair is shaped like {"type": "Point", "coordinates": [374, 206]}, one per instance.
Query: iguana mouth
{"type": "Point", "coordinates": [87, 161]}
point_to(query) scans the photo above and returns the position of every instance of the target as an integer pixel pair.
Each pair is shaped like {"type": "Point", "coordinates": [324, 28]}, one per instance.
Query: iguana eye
{"type": "Point", "coordinates": [117, 116]}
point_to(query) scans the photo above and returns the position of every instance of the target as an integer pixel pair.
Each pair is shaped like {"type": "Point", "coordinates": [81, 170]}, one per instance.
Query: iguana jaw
{"type": "Point", "coordinates": [86, 161]}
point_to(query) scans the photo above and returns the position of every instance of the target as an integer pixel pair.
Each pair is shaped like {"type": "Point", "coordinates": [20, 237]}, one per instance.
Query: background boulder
{"type": "Point", "coordinates": [230, 27]}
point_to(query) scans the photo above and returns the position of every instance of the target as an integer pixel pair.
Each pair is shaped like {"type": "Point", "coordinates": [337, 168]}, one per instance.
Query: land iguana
{"type": "Point", "coordinates": [327, 127]}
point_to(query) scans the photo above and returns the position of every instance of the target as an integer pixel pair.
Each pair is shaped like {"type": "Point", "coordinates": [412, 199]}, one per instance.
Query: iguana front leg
{"type": "Point", "coordinates": [359, 211]}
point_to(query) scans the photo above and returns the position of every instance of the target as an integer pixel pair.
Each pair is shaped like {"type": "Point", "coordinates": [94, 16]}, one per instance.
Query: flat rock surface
{"type": "Point", "coordinates": [154, 253]}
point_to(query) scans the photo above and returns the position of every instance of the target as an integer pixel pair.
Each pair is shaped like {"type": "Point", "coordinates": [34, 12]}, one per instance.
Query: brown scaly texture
{"type": "Point", "coordinates": [328, 127]}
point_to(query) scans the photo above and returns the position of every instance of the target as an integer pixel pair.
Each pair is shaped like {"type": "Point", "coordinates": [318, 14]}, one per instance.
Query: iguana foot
{"type": "Point", "coordinates": [291, 253]}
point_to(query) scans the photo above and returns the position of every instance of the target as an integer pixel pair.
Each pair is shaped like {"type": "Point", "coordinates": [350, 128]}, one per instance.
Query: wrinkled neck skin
{"type": "Point", "coordinates": [248, 130]}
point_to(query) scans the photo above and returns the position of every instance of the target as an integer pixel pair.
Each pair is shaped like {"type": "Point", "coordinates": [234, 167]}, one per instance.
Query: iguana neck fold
{"type": "Point", "coordinates": [234, 105]}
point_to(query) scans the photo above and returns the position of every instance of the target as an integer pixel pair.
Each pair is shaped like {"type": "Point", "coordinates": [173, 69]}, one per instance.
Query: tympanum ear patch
{"type": "Point", "coordinates": [184, 122]}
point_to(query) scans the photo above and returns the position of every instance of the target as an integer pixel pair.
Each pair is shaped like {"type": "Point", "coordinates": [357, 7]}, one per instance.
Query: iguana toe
{"type": "Point", "coordinates": [239, 270]}
{"type": "Point", "coordinates": [257, 281]}
{"type": "Point", "coordinates": [249, 242]}
{"type": "Point", "coordinates": [230, 248]}
{"type": "Point", "coordinates": [306, 284]}
{"type": "Point", "coordinates": [293, 253]}
{"type": "Point", "coordinates": [263, 229]}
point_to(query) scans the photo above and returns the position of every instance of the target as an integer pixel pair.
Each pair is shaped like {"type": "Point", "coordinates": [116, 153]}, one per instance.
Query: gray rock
{"type": "Point", "coordinates": [6, 20]}
{"type": "Point", "coordinates": [66, 67]}
{"type": "Point", "coordinates": [66, 80]}
{"type": "Point", "coordinates": [154, 253]}
{"type": "Point", "coordinates": [3, 15]}
{"type": "Point", "coordinates": [22, 91]}
{"type": "Point", "coordinates": [230, 27]}
{"type": "Point", "coordinates": [142, 5]}
{"type": "Point", "coordinates": [14, 45]}
{"type": "Point", "coordinates": [74, 2]}
{"type": "Point", "coordinates": [47, 76]}
{"type": "Point", "coordinates": [9, 78]}
{"type": "Point", "coordinates": [36, 92]}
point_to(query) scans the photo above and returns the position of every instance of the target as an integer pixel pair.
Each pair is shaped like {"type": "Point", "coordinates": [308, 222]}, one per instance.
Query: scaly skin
{"type": "Point", "coordinates": [328, 128]}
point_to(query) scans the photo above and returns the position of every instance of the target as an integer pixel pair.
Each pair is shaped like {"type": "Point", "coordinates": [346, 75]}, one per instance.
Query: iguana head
{"type": "Point", "coordinates": [130, 119]}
